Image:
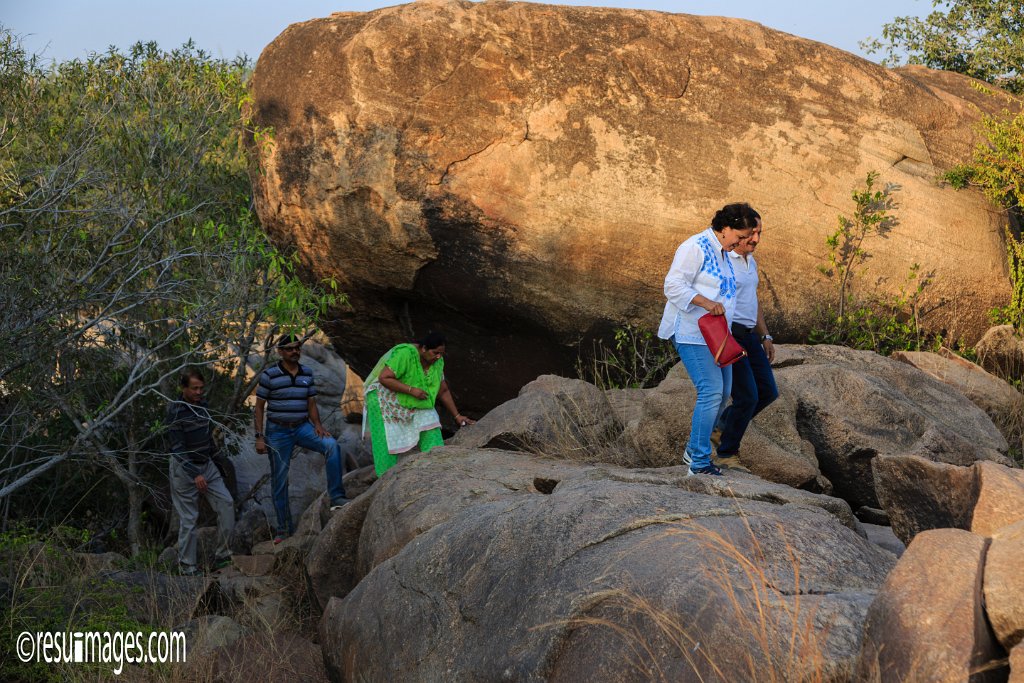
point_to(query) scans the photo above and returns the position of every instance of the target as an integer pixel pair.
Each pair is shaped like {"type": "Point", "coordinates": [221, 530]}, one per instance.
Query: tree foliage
{"type": "Point", "coordinates": [128, 251]}
{"type": "Point", "coordinates": [980, 38]}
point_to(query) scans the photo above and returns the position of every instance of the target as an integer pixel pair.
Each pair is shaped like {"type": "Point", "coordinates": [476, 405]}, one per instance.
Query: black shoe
{"type": "Point", "coordinates": [338, 504]}
{"type": "Point", "coordinates": [707, 469]}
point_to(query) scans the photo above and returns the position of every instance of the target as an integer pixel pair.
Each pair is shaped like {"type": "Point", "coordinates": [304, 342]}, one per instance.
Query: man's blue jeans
{"type": "Point", "coordinates": [753, 388]}
{"type": "Point", "coordinates": [713, 386]}
{"type": "Point", "coordinates": [281, 441]}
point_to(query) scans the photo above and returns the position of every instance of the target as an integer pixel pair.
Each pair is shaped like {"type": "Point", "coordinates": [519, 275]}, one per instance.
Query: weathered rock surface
{"type": "Point", "coordinates": [927, 622]}
{"type": "Point", "coordinates": [990, 393]}
{"type": "Point", "coordinates": [884, 537]}
{"type": "Point", "coordinates": [919, 494]}
{"type": "Point", "coordinates": [1004, 585]}
{"type": "Point", "coordinates": [556, 416]}
{"type": "Point", "coordinates": [1017, 664]}
{"type": "Point", "coordinates": [512, 567]}
{"type": "Point", "coordinates": [1001, 351]}
{"type": "Point", "coordinates": [207, 633]}
{"type": "Point", "coordinates": [521, 174]}
{"type": "Point", "coordinates": [856, 405]}
{"type": "Point", "coordinates": [331, 563]}
{"type": "Point", "coordinates": [1000, 499]}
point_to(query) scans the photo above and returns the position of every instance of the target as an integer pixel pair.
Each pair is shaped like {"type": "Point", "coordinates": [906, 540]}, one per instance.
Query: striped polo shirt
{"type": "Point", "coordinates": [287, 397]}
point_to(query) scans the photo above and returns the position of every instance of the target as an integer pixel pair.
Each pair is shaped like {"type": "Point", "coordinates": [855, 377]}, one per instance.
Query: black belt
{"type": "Point", "coordinates": [285, 423]}
{"type": "Point", "coordinates": [741, 331]}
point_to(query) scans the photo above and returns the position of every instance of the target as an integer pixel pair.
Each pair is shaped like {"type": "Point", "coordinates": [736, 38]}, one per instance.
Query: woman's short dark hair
{"type": "Point", "coordinates": [189, 375]}
{"type": "Point", "coordinates": [739, 216]}
{"type": "Point", "coordinates": [432, 340]}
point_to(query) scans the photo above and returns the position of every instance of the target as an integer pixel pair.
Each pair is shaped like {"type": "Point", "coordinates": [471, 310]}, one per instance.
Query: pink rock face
{"type": "Point", "coordinates": [520, 175]}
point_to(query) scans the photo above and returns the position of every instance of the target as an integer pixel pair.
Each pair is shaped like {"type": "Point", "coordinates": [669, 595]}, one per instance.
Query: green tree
{"type": "Point", "coordinates": [980, 38]}
{"type": "Point", "coordinates": [128, 252]}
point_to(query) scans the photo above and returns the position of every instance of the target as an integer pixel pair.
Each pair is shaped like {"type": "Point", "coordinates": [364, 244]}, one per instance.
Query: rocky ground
{"type": "Point", "coordinates": [557, 539]}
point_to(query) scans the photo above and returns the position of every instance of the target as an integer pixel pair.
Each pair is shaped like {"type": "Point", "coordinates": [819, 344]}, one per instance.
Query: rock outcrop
{"type": "Point", "coordinates": [521, 174]}
{"type": "Point", "coordinates": [512, 567]}
{"type": "Point", "coordinates": [927, 623]}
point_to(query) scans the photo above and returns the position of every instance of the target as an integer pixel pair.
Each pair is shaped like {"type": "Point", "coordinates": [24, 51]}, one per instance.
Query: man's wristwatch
{"type": "Point", "coordinates": [767, 337]}
{"type": "Point", "coordinates": [259, 435]}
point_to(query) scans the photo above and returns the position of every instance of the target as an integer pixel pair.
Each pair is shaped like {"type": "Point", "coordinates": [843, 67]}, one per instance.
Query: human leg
{"type": "Point", "coordinates": [709, 380]}
{"type": "Point", "coordinates": [431, 438]}
{"type": "Point", "coordinates": [280, 444]}
{"type": "Point", "coordinates": [223, 505]}
{"type": "Point", "coordinates": [185, 498]}
{"type": "Point", "coordinates": [767, 389]}
{"type": "Point", "coordinates": [307, 437]}
{"type": "Point", "coordinates": [744, 400]}
{"type": "Point", "coordinates": [382, 460]}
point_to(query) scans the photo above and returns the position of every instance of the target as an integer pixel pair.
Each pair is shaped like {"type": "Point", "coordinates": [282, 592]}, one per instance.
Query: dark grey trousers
{"type": "Point", "coordinates": [185, 497]}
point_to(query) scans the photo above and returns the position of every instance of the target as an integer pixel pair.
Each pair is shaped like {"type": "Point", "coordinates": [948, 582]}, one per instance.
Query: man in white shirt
{"type": "Point", "coordinates": [753, 384]}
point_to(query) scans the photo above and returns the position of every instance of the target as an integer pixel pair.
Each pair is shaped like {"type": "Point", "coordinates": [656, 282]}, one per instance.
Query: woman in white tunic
{"type": "Point", "coordinates": [700, 281]}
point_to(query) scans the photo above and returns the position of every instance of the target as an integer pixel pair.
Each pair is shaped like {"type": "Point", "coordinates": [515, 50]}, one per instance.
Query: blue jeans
{"type": "Point", "coordinates": [281, 441]}
{"type": "Point", "coordinates": [753, 388]}
{"type": "Point", "coordinates": [713, 385]}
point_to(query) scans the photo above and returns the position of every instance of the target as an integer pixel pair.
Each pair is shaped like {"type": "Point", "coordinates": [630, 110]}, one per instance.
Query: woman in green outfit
{"type": "Point", "coordinates": [401, 392]}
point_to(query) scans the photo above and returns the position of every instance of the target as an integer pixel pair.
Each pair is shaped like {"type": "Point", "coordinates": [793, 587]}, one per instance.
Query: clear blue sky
{"type": "Point", "coordinates": [225, 28]}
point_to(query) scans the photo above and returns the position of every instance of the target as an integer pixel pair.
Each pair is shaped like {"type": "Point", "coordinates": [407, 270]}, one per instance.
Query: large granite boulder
{"type": "Point", "coordinates": [928, 621]}
{"type": "Point", "coordinates": [556, 416]}
{"type": "Point", "coordinates": [521, 174]}
{"type": "Point", "coordinates": [513, 567]}
{"type": "Point", "coordinates": [853, 406]}
{"type": "Point", "coordinates": [1004, 585]}
{"type": "Point", "coordinates": [918, 495]}
{"type": "Point", "coordinates": [990, 393]}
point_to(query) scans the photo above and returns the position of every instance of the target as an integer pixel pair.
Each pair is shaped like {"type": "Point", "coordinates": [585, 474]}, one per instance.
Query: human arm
{"type": "Point", "coordinates": [261, 443]}
{"type": "Point", "coordinates": [679, 290]}
{"type": "Point", "coordinates": [314, 417]}
{"type": "Point", "coordinates": [444, 395]}
{"type": "Point", "coordinates": [388, 379]}
{"type": "Point", "coordinates": [761, 330]}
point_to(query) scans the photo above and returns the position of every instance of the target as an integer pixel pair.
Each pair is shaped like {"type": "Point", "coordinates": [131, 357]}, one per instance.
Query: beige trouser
{"type": "Point", "coordinates": [185, 497]}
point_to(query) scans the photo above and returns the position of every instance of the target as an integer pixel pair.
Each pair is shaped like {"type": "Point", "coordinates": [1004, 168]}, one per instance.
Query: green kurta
{"type": "Point", "coordinates": [404, 361]}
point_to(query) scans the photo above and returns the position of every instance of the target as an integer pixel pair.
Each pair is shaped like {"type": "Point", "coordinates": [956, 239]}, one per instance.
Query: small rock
{"type": "Point", "coordinates": [870, 515]}
{"type": "Point", "coordinates": [1000, 499]}
{"type": "Point", "coordinates": [884, 537]}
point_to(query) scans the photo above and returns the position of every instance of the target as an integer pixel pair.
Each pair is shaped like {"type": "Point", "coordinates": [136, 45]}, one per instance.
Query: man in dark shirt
{"type": "Point", "coordinates": [192, 472]}
{"type": "Point", "coordinates": [286, 395]}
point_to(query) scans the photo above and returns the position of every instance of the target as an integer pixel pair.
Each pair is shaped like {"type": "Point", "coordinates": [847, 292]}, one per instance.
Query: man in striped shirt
{"type": "Point", "coordinates": [193, 473]}
{"type": "Point", "coordinates": [286, 395]}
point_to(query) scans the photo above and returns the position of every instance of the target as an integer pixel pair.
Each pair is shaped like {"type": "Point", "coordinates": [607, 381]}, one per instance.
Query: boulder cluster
{"type": "Point", "coordinates": [877, 536]}
{"type": "Point", "coordinates": [559, 539]}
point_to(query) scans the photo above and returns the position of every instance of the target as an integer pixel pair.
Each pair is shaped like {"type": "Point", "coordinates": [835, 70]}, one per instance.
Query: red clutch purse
{"type": "Point", "coordinates": [720, 341]}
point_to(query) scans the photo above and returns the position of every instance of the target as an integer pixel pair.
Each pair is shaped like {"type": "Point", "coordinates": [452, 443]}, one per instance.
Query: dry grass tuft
{"type": "Point", "coordinates": [756, 622]}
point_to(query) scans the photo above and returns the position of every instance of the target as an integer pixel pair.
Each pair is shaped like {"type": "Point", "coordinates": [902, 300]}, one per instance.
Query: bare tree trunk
{"type": "Point", "coordinates": [135, 496]}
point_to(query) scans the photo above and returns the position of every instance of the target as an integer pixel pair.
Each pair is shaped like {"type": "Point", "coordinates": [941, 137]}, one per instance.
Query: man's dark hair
{"type": "Point", "coordinates": [288, 340]}
{"type": "Point", "coordinates": [432, 340]}
{"type": "Point", "coordinates": [737, 216]}
{"type": "Point", "coordinates": [189, 375]}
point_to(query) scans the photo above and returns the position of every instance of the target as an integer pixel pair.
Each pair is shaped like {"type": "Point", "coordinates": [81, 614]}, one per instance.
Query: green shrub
{"type": "Point", "coordinates": [635, 359]}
